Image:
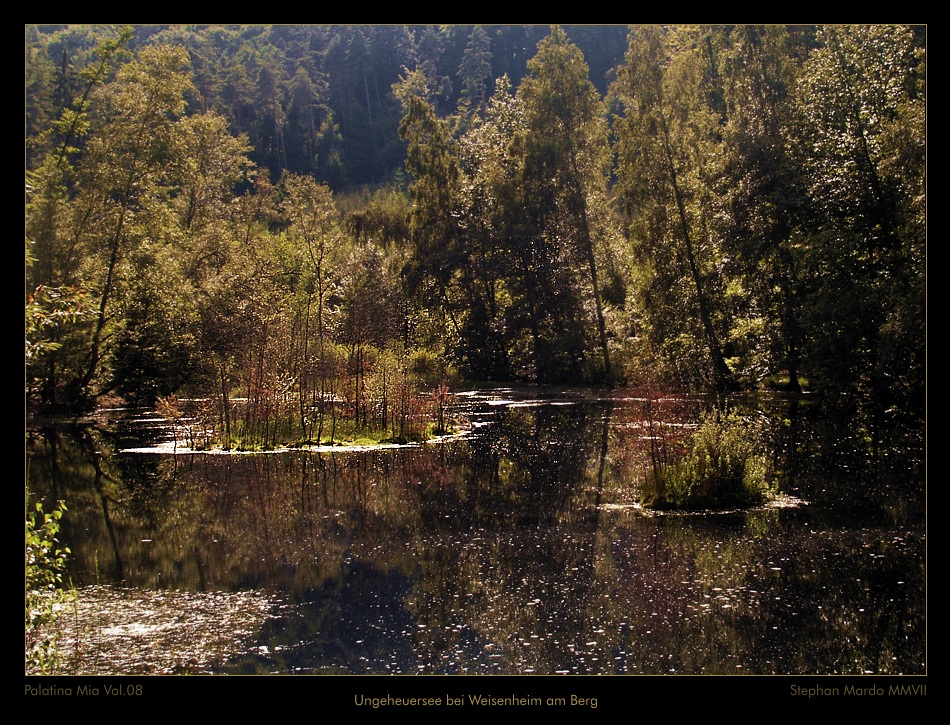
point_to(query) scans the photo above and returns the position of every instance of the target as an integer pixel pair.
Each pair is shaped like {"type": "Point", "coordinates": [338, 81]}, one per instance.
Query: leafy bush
{"type": "Point", "coordinates": [45, 564]}
{"type": "Point", "coordinates": [722, 467]}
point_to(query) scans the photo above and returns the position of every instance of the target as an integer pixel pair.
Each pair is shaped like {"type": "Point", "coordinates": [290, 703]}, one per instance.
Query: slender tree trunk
{"type": "Point", "coordinates": [226, 408]}
{"type": "Point", "coordinates": [116, 242]}
{"type": "Point", "coordinates": [104, 300]}
{"type": "Point", "coordinates": [304, 375]}
{"type": "Point", "coordinates": [588, 246]}
{"type": "Point", "coordinates": [722, 374]}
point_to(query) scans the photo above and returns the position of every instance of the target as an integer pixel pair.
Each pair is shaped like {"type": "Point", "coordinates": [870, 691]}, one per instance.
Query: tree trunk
{"type": "Point", "coordinates": [723, 377]}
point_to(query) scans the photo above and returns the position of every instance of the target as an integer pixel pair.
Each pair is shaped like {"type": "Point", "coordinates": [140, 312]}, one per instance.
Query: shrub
{"type": "Point", "coordinates": [45, 564]}
{"type": "Point", "coordinates": [721, 467]}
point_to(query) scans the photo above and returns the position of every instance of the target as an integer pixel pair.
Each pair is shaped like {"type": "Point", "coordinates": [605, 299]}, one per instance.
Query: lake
{"type": "Point", "coordinates": [516, 547]}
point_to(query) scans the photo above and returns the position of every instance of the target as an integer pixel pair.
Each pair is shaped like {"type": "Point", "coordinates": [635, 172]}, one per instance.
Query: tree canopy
{"type": "Point", "coordinates": [336, 219]}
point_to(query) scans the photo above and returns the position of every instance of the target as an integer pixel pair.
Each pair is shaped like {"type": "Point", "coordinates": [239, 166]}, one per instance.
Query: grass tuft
{"type": "Point", "coordinates": [722, 467]}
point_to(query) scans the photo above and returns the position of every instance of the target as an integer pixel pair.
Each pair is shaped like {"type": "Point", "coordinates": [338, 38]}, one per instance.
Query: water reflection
{"type": "Point", "coordinates": [514, 549]}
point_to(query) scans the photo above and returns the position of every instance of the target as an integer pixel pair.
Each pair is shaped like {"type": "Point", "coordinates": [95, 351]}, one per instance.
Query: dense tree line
{"type": "Point", "coordinates": [313, 99]}
{"type": "Point", "coordinates": [303, 215]}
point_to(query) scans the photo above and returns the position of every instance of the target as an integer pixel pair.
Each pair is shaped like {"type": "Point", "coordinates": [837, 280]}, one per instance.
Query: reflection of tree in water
{"type": "Point", "coordinates": [75, 463]}
{"type": "Point", "coordinates": [531, 463]}
{"type": "Point", "coordinates": [848, 601]}
{"type": "Point", "coordinates": [849, 476]}
{"type": "Point", "coordinates": [726, 596]}
{"type": "Point", "coordinates": [508, 592]}
{"type": "Point", "coordinates": [356, 623]}
{"type": "Point", "coordinates": [684, 587]}
{"type": "Point", "coordinates": [507, 552]}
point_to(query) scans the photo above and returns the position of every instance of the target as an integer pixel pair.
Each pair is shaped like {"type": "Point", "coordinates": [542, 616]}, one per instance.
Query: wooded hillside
{"type": "Point", "coordinates": [303, 215]}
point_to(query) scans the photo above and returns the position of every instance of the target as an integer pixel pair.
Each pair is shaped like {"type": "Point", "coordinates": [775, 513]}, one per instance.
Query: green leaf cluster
{"type": "Point", "coordinates": [45, 567]}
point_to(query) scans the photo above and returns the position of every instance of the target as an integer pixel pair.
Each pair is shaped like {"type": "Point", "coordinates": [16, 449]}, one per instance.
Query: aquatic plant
{"type": "Point", "coordinates": [722, 466]}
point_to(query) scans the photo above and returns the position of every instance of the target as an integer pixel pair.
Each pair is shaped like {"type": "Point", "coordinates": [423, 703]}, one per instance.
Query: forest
{"type": "Point", "coordinates": [340, 225]}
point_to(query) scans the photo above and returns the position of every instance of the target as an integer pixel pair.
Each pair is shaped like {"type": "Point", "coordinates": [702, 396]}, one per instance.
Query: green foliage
{"type": "Point", "coordinates": [668, 137]}
{"type": "Point", "coordinates": [860, 99]}
{"type": "Point", "coordinates": [48, 310]}
{"type": "Point", "coordinates": [754, 209]}
{"type": "Point", "coordinates": [722, 467]}
{"type": "Point", "coordinates": [45, 566]}
{"type": "Point", "coordinates": [565, 179]}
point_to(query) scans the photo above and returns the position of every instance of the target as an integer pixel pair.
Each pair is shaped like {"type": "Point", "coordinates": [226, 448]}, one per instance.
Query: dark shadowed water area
{"type": "Point", "coordinates": [516, 547]}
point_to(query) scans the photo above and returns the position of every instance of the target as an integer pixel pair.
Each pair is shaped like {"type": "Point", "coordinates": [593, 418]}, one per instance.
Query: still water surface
{"type": "Point", "coordinates": [514, 548]}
